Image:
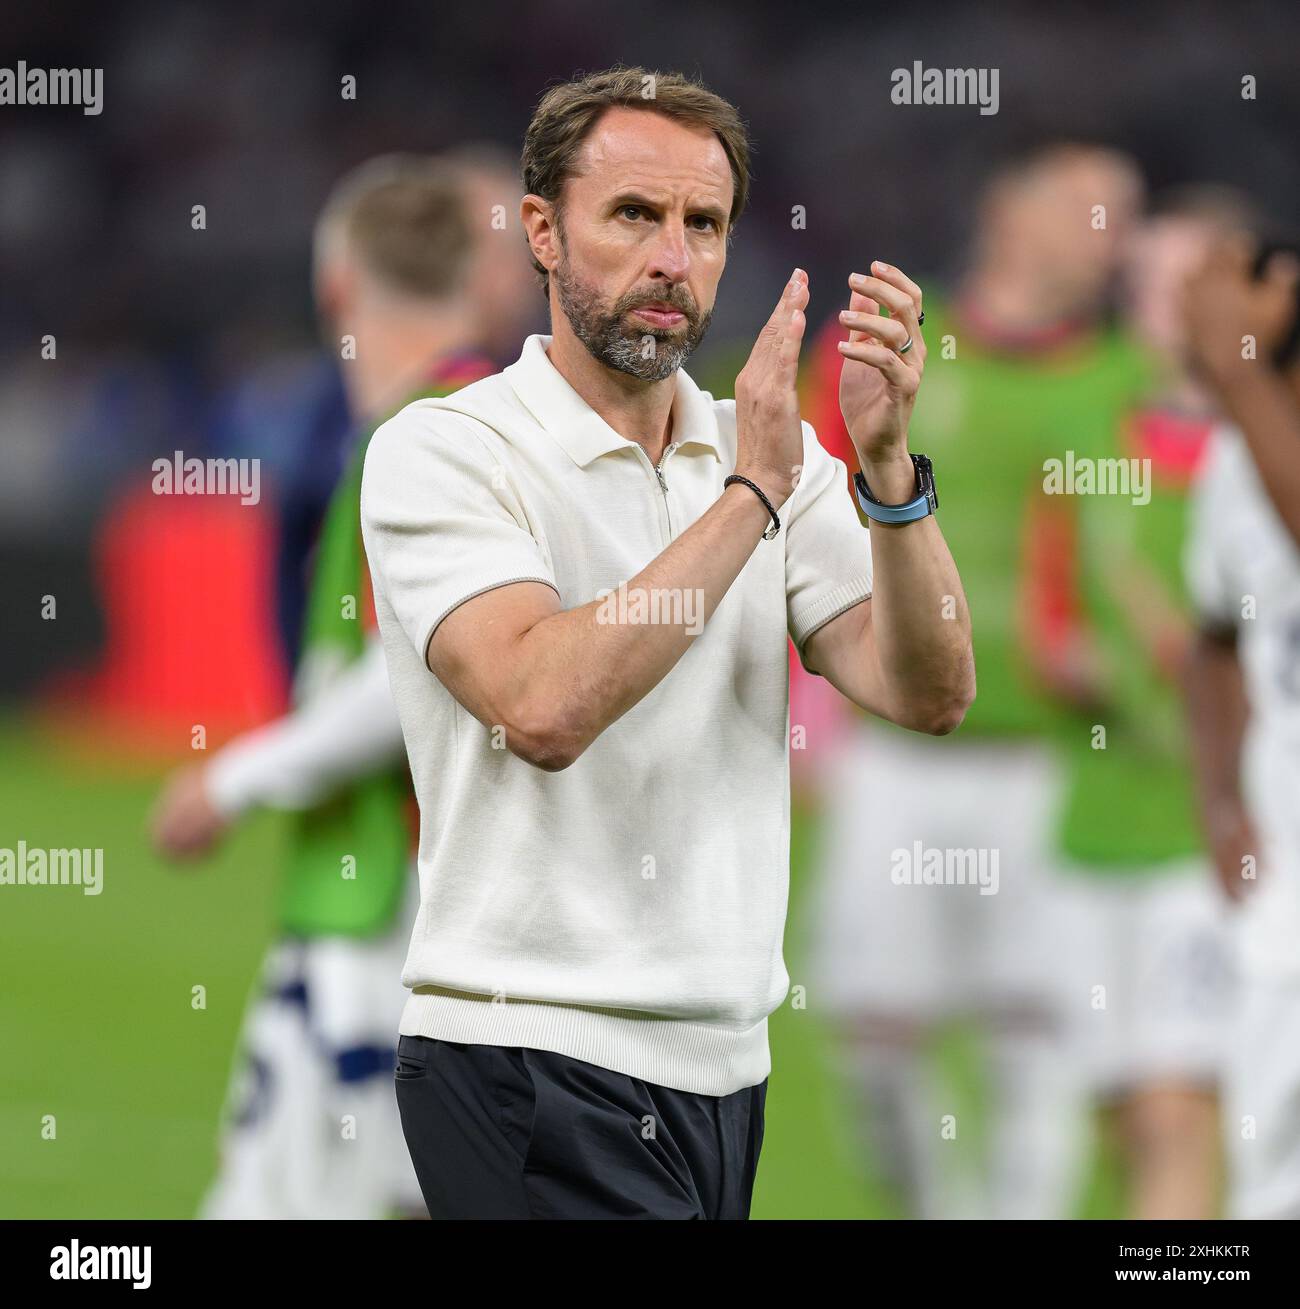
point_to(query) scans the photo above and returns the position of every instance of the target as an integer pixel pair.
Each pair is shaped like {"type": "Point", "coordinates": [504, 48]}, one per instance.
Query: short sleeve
{"type": "Point", "coordinates": [1207, 559]}
{"type": "Point", "coordinates": [442, 519]}
{"type": "Point", "coordinates": [827, 550]}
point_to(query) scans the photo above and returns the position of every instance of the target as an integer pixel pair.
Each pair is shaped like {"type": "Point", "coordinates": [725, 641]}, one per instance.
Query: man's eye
{"type": "Point", "coordinates": [709, 223]}
{"type": "Point", "coordinates": [631, 211]}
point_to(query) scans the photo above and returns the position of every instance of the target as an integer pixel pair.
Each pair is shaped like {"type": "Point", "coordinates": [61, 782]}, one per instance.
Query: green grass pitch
{"type": "Point", "coordinates": [98, 1031]}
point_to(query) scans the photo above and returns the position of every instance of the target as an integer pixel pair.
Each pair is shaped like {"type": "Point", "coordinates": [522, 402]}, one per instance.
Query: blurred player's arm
{"type": "Point", "coordinates": [1217, 712]}
{"type": "Point", "coordinates": [1214, 692]}
{"type": "Point", "coordinates": [1224, 309]}
{"type": "Point", "coordinates": [1264, 407]}
{"type": "Point", "coordinates": [1054, 635]}
{"type": "Point", "coordinates": [348, 731]}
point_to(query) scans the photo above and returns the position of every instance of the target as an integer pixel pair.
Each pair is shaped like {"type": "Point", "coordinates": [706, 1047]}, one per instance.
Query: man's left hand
{"type": "Point", "coordinates": [878, 384]}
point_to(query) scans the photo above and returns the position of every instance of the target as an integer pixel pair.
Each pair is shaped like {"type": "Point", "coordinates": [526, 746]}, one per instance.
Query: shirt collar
{"type": "Point", "coordinates": [580, 431]}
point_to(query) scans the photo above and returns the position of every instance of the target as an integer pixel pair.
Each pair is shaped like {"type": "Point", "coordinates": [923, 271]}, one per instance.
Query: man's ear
{"type": "Point", "coordinates": [538, 218]}
{"type": "Point", "coordinates": [334, 288]}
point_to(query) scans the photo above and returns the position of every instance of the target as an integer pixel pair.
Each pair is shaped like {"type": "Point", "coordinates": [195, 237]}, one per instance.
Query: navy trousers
{"type": "Point", "coordinates": [498, 1132]}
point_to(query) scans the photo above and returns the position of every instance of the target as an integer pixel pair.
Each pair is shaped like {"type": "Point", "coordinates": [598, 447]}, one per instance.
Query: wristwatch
{"type": "Point", "coordinates": [925, 502]}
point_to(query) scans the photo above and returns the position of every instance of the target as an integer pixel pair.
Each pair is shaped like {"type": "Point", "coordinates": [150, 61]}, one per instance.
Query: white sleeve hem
{"type": "Point", "coordinates": [473, 595]}
{"type": "Point", "coordinates": [828, 607]}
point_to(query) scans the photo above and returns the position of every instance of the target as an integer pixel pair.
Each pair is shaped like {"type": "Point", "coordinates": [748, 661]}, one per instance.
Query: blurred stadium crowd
{"type": "Point", "coordinates": [220, 340]}
{"type": "Point", "coordinates": [175, 338]}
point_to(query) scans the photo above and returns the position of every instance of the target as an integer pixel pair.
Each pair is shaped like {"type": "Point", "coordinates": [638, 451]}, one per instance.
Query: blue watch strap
{"type": "Point", "coordinates": [919, 507]}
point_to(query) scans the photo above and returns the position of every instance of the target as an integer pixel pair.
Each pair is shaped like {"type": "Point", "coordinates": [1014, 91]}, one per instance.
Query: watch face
{"type": "Point", "coordinates": [925, 480]}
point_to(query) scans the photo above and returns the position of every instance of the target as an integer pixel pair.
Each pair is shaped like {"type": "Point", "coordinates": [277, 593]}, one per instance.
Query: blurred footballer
{"type": "Point", "coordinates": [604, 793]}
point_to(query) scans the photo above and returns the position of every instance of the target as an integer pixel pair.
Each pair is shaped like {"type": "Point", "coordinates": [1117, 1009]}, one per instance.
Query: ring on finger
{"type": "Point", "coordinates": [905, 347]}
{"type": "Point", "coordinates": [920, 319]}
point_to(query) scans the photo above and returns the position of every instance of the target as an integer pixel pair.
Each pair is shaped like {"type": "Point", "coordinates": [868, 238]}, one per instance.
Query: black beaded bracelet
{"type": "Point", "coordinates": [775, 527]}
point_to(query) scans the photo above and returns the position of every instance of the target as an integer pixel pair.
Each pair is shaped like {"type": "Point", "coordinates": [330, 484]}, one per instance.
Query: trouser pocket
{"type": "Point", "coordinates": [412, 1058]}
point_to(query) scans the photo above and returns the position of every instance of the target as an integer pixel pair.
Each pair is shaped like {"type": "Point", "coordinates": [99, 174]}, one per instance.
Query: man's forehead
{"type": "Point", "coordinates": [638, 147]}
{"type": "Point", "coordinates": [1065, 175]}
{"type": "Point", "coordinates": [1174, 239]}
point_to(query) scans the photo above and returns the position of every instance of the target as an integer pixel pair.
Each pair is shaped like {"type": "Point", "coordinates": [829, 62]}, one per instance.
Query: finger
{"type": "Point", "coordinates": [793, 296]}
{"type": "Point", "coordinates": [895, 332]}
{"type": "Point", "coordinates": [894, 367]}
{"type": "Point", "coordinates": [861, 304]}
{"type": "Point", "coordinates": [902, 307]}
{"type": "Point", "coordinates": [792, 343]}
{"type": "Point", "coordinates": [796, 287]}
{"type": "Point", "coordinates": [892, 331]}
{"type": "Point", "coordinates": [899, 303]}
{"type": "Point", "coordinates": [798, 299]}
{"type": "Point", "coordinates": [792, 329]}
{"type": "Point", "coordinates": [896, 277]}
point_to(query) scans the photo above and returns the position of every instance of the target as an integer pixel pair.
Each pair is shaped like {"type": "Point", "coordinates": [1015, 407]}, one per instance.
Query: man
{"type": "Point", "coordinates": [1147, 925]}
{"type": "Point", "coordinates": [937, 905]}
{"type": "Point", "coordinates": [402, 251]}
{"type": "Point", "coordinates": [1243, 564]}
{"type": "Point", "coordinates": [586, 625]}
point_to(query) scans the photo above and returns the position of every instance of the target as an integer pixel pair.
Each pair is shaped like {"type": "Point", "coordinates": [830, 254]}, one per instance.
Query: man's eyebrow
{"type": "Point", "coordinates": [635, 198]}
{"type": "Point", "coordinates": [714, 211]}
{"type": "Point", "coordinates": [711, 210]}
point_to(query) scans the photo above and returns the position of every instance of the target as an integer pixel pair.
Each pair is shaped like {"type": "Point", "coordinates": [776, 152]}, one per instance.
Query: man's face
{"type": "Point", "coordinates": [1075, 216]}
{"type": "Point", "coordinates": [500, 285]}
{"type": "Point", "coordinates": [1165, 254]}
{"type": "Point", "coordinates": [641, 240]}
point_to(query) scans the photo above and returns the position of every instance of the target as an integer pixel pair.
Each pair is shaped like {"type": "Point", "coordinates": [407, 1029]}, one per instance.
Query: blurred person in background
{"type": "Point", "coordinates": [1243, 567]}
{"type": "Point", "coordinates": [1025, 368]}
{"type": "Point", "coordinates": [505, 300]}
{"type": "Point", "coordinates": [303, 494]}
{"type": "Point", "coordinates": [410, 267]}
{"type": "Point", "coordinates": [1110, 628]}
{"type": "Point", "coordinates": [506, 313]}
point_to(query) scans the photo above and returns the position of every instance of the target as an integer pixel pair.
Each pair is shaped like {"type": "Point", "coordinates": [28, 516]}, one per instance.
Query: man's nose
{"type": "Point", "coordinates": [670, 258]}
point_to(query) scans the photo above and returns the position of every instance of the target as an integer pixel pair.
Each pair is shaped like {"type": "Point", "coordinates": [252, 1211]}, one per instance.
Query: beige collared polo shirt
{"type": "Point", "coordinates": [628, 910]}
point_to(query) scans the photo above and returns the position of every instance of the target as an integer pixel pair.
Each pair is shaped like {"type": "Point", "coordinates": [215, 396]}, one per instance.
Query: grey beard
{"type": "Point", "coordinates": [648, 355]}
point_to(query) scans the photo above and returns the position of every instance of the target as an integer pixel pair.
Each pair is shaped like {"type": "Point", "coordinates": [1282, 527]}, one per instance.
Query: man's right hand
{"type": "Point", "coordinates": [769, 434]}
